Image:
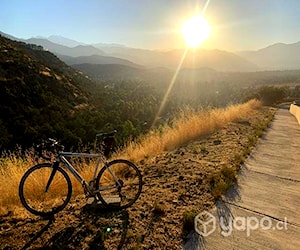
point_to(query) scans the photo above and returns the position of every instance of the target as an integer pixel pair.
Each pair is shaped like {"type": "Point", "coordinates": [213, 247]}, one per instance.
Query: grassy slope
{"type": "Point", "coordinates": [179, 181]}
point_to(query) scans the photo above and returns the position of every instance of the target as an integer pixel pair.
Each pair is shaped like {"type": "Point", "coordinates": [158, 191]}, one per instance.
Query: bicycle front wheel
{"type": "Point", "coordinates": [119, 184]}
{"type": "Point", "coordinates": [41, 196]}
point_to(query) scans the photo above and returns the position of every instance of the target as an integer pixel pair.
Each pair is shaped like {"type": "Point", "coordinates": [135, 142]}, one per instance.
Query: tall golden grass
{"type": "Point", "coordinates": [12, 168]}
{"type": "Point", "coordinates": [188, 126]}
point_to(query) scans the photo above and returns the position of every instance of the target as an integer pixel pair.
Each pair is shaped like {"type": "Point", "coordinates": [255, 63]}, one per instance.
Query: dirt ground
{"type": "Point", "coordinates": [176, 185]}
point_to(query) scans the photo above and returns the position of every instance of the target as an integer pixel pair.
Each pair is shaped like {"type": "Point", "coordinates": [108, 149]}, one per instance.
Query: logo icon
{"type": "Point", "coordinates": [205, 223]}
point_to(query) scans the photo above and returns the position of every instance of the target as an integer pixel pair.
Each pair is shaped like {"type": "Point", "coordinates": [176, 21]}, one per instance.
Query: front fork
{"type": "Point", "coordinates": [54, 169]}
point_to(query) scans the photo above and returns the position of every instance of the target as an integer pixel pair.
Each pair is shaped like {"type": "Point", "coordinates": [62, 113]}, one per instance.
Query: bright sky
{"type": "Point", "coordinates": [154, 24]}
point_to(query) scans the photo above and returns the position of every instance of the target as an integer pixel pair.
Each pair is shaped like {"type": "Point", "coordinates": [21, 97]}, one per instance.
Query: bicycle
{"type": "Point", "coordinates": [45, 189]}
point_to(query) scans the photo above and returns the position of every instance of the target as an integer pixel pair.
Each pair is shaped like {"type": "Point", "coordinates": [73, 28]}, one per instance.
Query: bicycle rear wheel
{"type": "Point", "coordinates": [121, 179]}
{"type": "Point", "coordinates": [34, 196]}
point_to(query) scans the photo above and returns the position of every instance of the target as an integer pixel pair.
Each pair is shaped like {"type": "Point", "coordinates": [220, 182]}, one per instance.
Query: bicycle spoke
{"type": "Point", "coordinates": [33, 192]}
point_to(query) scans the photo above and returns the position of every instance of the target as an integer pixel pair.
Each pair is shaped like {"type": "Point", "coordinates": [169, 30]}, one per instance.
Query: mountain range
{"type": "Point", "coordinates": [41, 96]}
{"type": "Point", "coordinates": [279, 56]}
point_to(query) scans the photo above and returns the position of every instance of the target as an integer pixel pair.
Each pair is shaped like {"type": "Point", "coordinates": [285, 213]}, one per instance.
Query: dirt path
{"type": "Point", "coordinates": [176, 187]}
{"type": "Point", "coordinates": [267, 195]}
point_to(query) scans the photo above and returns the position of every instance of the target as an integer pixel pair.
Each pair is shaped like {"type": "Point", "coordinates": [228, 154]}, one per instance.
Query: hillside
{"type": "Point", "coordinates": [189, 77]}
{"type": "Point", "coordinates": [96, 59]}
{"type": "Point", "coordinates": [177, 186]}
{"type": "Point", "coordinates": [37, 95]}
{"type": "Point", "coordinates": [42, 97]}
{"type": "Point", "coordinates": [110, 71]}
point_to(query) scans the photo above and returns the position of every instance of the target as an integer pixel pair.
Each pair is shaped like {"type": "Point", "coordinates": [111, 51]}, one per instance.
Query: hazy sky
{"type": "Point", "coordinates": [154, 24]}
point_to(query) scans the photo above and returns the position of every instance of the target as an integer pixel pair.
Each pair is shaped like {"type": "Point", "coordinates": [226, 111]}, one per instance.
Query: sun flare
{"type": "Point", "coordinates": [195, 31]}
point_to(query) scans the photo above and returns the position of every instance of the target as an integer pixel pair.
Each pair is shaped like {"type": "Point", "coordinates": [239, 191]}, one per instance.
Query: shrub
{"type": "Point", "coordinates": [188, 221]}
{"type": "Point", "coordinates": [271, 95]}
{"type": "Point", "coordinates": [222, 180]}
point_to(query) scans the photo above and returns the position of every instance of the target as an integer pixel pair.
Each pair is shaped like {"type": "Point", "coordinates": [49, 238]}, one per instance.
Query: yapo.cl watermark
{"type": "Point", "coordinates": [205, 224]}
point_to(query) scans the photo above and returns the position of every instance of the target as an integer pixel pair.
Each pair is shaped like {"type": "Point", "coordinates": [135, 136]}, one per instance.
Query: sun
{"type": "Point", "coordinates": [195, 31]}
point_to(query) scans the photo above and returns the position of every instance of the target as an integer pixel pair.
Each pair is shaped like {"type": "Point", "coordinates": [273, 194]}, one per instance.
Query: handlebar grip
{"type": "Point", "coordinates": [106, 134]}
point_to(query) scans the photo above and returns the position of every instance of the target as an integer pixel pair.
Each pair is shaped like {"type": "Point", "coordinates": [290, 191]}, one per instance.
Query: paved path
{"type": "Point", "coordinates": [267, 193]}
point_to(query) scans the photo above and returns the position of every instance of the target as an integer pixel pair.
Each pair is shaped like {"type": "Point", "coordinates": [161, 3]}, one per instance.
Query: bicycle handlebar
{"type": "Point", "coordinates": [51, 146]}
{"type": "Point", "coordinates": [106, 134]}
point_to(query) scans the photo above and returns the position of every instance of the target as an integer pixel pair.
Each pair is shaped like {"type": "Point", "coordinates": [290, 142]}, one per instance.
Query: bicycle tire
{"type": "Point", "coordinates": [128, 174]}
{"type": "Point", "coordinates": [36, 178]}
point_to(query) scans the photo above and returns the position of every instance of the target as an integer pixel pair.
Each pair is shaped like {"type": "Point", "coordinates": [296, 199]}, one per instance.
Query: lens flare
{"type": "Point", "coordinates": [195, 31]}
{"type": "Point", "coordinates": [163, 103]}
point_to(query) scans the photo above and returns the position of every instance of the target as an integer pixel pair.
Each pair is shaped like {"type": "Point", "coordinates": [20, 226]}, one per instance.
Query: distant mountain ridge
{"type": "Point", "coordinates": [215, 59]}
{"type": "Point", "coordinates": [198, 58]}
{"type": "Point", "coordinates": [97, 59]}
{"type": "Point", "coordinates": [278, 56]}
{"type": "Point", "coordinates": [79, 50]}
{"type": "Point", "coordinates": [64, 41]}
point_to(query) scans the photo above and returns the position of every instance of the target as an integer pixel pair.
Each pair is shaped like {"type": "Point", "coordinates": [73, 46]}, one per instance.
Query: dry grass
{"type": "Point", "coordinates": [188, 126]}
{"type": "Point", "coordinates": [12, 168]}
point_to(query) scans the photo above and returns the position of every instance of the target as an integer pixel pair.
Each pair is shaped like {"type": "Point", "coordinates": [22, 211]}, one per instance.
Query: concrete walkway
{"type": "Point", "coordinates": [263, 210]}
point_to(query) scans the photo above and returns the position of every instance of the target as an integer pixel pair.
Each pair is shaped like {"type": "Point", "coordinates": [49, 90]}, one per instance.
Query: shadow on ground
{"type": "Point", "coordinates": [223, 213]}
{"type": "Point", "coordinates": [94, 229]}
